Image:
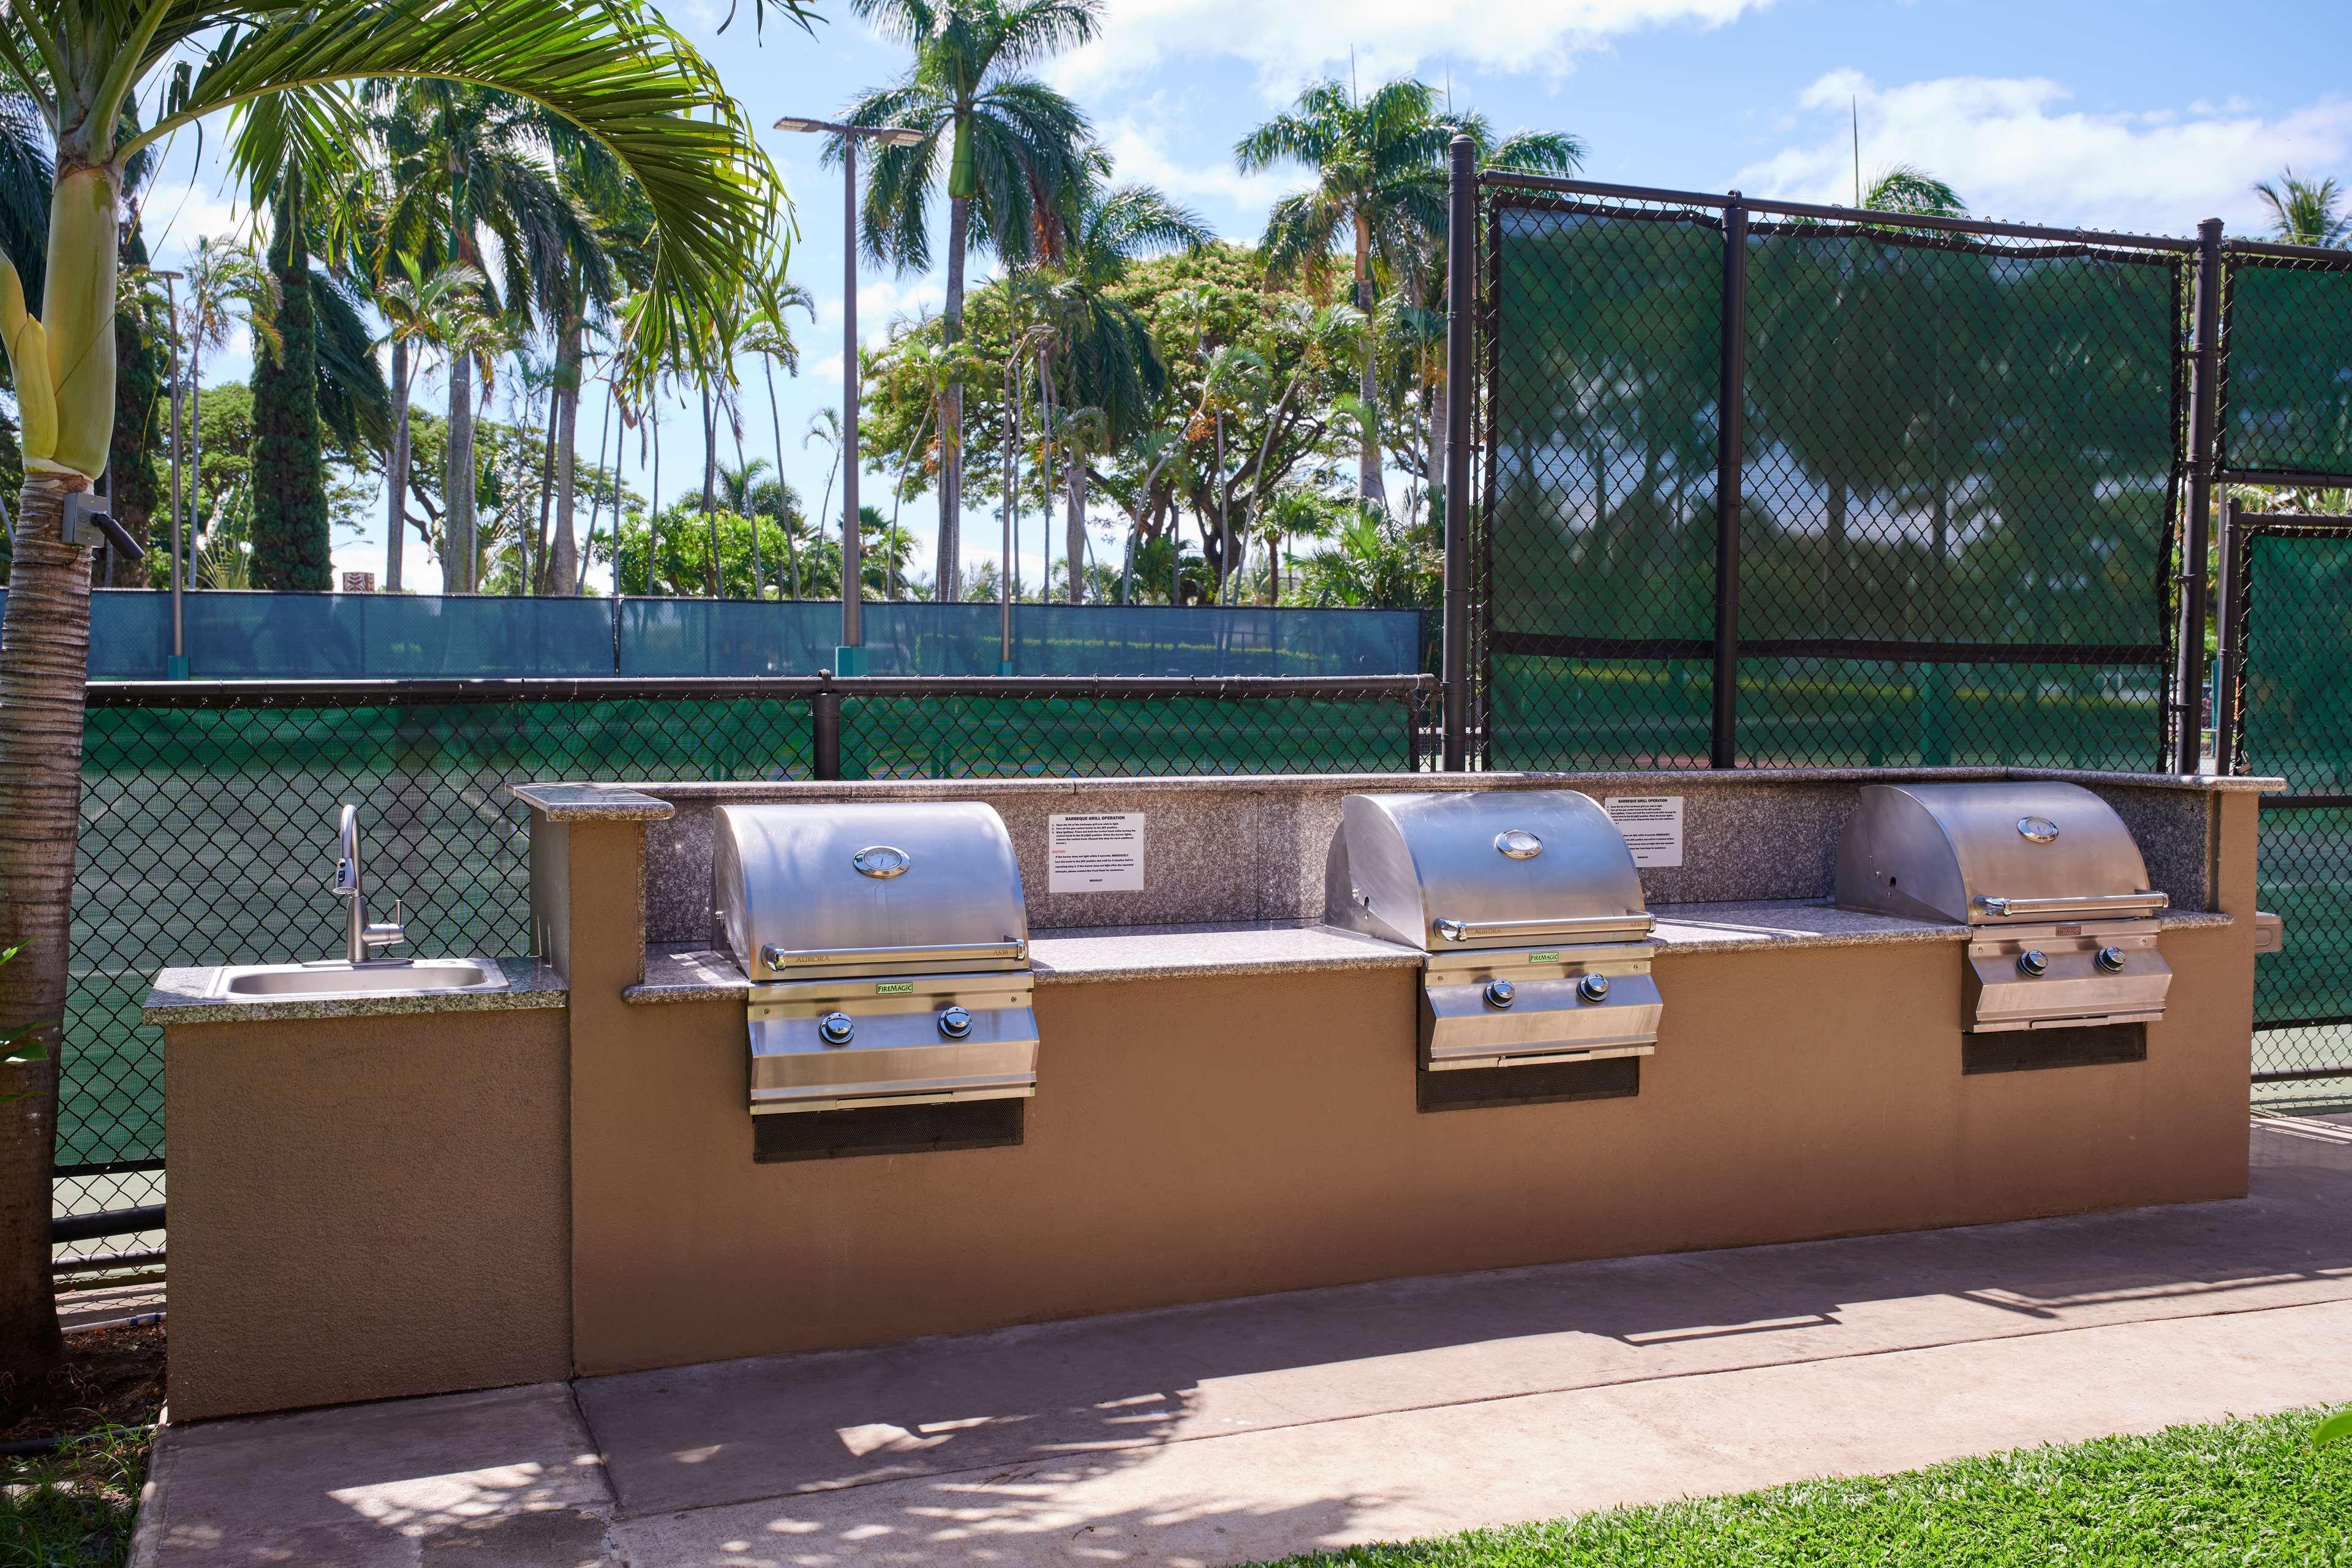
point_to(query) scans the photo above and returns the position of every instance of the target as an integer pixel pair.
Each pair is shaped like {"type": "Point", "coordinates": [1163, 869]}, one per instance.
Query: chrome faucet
{"type": "Point", "coordinates": [361, 937]}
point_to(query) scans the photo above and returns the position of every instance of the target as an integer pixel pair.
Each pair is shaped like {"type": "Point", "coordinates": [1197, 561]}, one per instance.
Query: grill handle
{"type": "Point", "coordinates": [2078, 904]}
{"type": "Point", "coordinates": [1574, 925]}
{"type": "Point", "coordinates": [777, 959]}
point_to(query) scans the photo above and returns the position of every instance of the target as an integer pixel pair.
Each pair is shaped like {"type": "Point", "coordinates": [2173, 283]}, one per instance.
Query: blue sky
{"type": "Point", "coordinates": [2149, 115]}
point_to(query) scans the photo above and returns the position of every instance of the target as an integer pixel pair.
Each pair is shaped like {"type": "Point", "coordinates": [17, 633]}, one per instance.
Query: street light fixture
{"type": "Point", "coordinates": [849, 659]}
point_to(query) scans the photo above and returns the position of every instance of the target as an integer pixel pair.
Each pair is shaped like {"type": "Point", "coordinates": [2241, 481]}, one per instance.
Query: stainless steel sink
{"type": "Point", "coordinates": [332, 980]}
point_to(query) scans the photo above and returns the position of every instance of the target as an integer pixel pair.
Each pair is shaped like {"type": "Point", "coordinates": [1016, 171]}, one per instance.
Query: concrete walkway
{"type": "Point", "coordinates": [1251, 1429]}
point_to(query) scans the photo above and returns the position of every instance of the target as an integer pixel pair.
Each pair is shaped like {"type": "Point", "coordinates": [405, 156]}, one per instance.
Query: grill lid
{"type": "Point", "coordinates": [1991, 854]}
{"type": "Point", "coordinates": [808, 891]}
{"type": "Point", "coordinates": [1454, 871]}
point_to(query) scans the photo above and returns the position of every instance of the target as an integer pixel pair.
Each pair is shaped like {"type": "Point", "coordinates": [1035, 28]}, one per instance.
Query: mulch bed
{"type": "Point", "coordinates": [109, 1377]}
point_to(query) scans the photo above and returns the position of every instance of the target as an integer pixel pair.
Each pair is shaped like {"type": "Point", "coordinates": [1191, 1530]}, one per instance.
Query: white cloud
{"type": "Point", "coordinates": [2013, 149]}
{"type": "Point", "coordinates": [175, 216]}
{"type": "Point", "coordinates": [1290, 40]}
{"type": "Point", "coordinates": [1138, 143]}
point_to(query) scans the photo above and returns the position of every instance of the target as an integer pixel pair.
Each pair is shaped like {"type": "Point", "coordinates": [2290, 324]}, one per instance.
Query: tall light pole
{"type": "Point", "coordinates": [177, 666]}
{"type": "Point", "coordinates": [849, 659]}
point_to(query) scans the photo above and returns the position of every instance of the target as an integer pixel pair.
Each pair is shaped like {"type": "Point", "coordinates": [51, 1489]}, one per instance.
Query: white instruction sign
{"type": "Point", "coordinates": [1095, 852]}
{"type": "Point", "coordinates": [1652, 827]}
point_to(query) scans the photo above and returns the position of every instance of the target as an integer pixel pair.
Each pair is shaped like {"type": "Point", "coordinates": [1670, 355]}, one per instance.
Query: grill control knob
{"type": "Point", "coordinates": [836, 1028]}
{"type": "Point", "coordinates": [2111, 959]}
{"type": "Point", "coordinates": [2032, 961]}
{"type": "Point", "coordinates": [1499, 992]}
{"type": "Point", "coordinates": [955, 1023]}
{"type": "Point", "coordinates": [1594, 988]}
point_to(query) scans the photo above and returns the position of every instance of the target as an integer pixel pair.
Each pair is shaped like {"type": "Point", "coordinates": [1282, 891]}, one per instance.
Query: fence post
{"type": "Point", "coordinates": [2203, 398]}
{"type": "Point", "coordinates": [824, 725]}
{"type": "Point", "coordinates": [1461, 292]}
{"type": "Point", "coordinates": [2229, 667]}
{"type": "Point", "coordinates": [1731, 440]}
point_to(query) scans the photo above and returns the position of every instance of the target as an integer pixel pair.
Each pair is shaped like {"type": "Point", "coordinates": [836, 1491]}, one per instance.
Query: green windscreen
{"type": "Point", "coordinates": [1959, 452]}
{"type": "Point", "coordinates": [1601, 524]}
{"type": "Point", "coordinates": [1958, 478]}
{"type": "Point", "coordinates": [2286, 391]}
{"type": "Point", "coordinates": [2298, 725]}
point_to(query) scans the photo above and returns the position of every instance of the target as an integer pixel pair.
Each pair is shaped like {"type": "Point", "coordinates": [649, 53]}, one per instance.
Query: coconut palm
{"type": "Point", "coordinates": [2305, 212]}
{"type": "Point", "coordinates": [1101, 340]}
{"type": "Point", "coordinates": [1373, 161]}
{"type": "Point", "coordinates": [612, 70]}
{"type": "Point", "coordinates": [1009, 146]}
{"type": "Point", "coordinates": [471, 163]}
{"type": "Point", "coordinates": [769, 335]}
{"type": "Point", "coordinates": [226, 281]}
{"type": "Point", "coordinates": [417, 310]}
{"type": "Point", "coordinates": [824, 427]}
{"type": "Point", "coordinates": [1379, 187]}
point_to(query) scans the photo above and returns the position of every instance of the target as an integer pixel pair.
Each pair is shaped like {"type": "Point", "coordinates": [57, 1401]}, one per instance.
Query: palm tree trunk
{"type": "Point", "coordinates": [783, 520]}
{"type": "Point", "coordinates": [534, 541]}
{"type": "Point", "coordinates": [949, 561]}
{"type": "Point", "coordinates": [1076, 529]}
{"type": "Point", "coordinates": [459, 557]}
{"type": "Point", "coordinates": [395, 470]}
{"type": "Point", "coordinates": [653, 506]}
{"type": "Point", "coordinates": [1368, 463]}
{"type": "Point", "coordinates": [563, 552]}
{"type": "Point", "coordinates": [597, 502]}
{"type": "Point", "coordinates": [752, 516]}
{"type": "Point", "coordinates": [46, 639]}
{"type": "Point", "coordinates": [711, 487]}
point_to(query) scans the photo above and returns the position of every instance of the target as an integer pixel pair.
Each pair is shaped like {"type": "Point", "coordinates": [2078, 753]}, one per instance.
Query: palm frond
{"type": "Point", "coordinates": [622, 75]}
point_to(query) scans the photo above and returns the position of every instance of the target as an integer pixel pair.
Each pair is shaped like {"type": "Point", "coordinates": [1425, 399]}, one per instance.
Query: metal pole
{"type": "Point", "coordinates": [824, 714]}
{"type": "Point", "coordinates": [1461, 292]}
{"type": "Point", "coordinates": [1005, 571]}
{"type": "Point", "coordinates": [2203, 395]}
{"type": "Point", "coordinates": [2231, 668]}
{"type": "Point", "coordinates": [849, 659]}
{"type": "Point", "coordinates": [1731, 438]}
{"type": "Point", "coordinates": [177, 666]}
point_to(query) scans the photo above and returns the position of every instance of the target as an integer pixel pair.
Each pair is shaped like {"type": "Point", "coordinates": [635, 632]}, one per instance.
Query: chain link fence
{"type": "Point", "coordinates": [208, 817]}
{"type": "Point", "coordinates": [1954, 462]}
{"type": "Point", "coordinates": [2287, 706]}
{"type": "Point", "coordinates": [2286, 344]}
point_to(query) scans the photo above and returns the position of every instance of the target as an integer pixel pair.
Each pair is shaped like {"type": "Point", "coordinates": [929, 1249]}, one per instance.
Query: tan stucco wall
{"type": "Point", "coordinates": [1204, 1138]}
{"type": "Point", "coordinates": [364, 1207]}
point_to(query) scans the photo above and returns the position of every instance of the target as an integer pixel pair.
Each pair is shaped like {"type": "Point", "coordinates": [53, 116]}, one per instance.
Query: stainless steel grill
{"type": "Point", "coordinates": [888, 952]}
{"type": "Point", "coordinates": [2045, 874]}
{"type": "Point", "coordinates": [1528, 907]}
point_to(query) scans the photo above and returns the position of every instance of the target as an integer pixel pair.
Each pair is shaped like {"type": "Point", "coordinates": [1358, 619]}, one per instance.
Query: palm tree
{"type": "Point", "coordinates": [224, 281]}
{"type": "Point", "coordinates": [615, 70]}
{"type": "Point", "coordinates": [769, 336]}
{"type": "Point", "coordinates": [1010, 147]}
{"type": "Point", "coordinates": [1905, 188]}
{"type": "Point", "coordinates": [1114, 373]}
{"type": "Point", "coordinates": [1378, 167]}
{"type": "Point", "coordinates": [418, 310]}
{"type": "Point", "coordinates": [824, 426]}
{"type": "Point", "coordinates": [2305, 212]}
{"type": "Point", "coordinates": [472, 162]}
{"type": "Point", "coordinates": [1374, 163]}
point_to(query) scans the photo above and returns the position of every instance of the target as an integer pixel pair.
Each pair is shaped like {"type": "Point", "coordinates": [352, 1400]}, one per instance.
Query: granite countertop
{"type": "Point", "coordinates": [592, 803]}
{"type": "Point", "coordinates": [1175, 951]}
{"type": "Point", "coordinates": [1702, 928]}
{"type": "Point", "coordinates": [180, 996]}
{"type": "Point", "coordinates": [681, 972]}
{"type": "Point", "coordinates": [615, 802]}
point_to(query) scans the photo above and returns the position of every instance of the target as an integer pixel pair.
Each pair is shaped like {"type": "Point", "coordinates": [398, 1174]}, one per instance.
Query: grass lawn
{"type": "Point", "coordinates": [74, 1507]}
{"type": "Point", "coordinates": [2243, 1493]}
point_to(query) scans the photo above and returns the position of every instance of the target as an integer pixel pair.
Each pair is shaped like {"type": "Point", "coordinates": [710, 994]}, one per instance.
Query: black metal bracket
{"type": "Point", "coordinates": [85, 514]}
